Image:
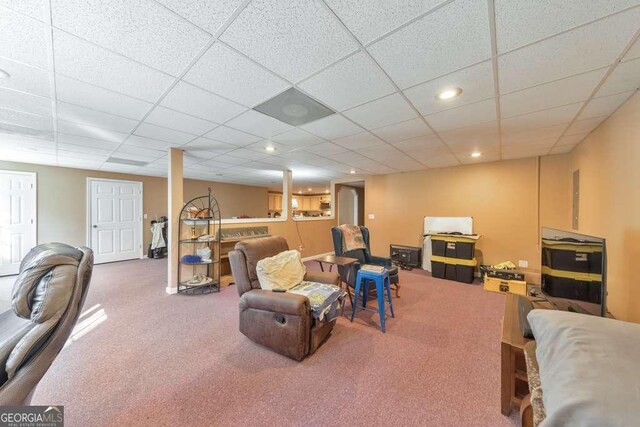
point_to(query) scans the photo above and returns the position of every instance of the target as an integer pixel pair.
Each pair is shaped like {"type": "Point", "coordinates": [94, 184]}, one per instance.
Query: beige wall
{"type": "Point", "coordinates": [608, 161]}
{"type": "Point", "coordinates": [234, 199]}
{"type": "Point", "coordinates": [62, 201]}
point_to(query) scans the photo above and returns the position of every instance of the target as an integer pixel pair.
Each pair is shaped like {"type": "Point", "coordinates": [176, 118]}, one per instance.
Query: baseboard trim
{"type": "Point", "coordinates": [310, 258]}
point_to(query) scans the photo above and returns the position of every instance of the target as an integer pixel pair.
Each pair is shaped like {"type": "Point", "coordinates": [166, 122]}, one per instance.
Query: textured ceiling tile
{"type": "Point", "coordinates": [586, 48]}
{"type": "Point", "coordinates": [370, 19]}
{"type": "Point", "coordinates": [584, 126]}
{"type": "Point", "coordinates": [20, 101]}
{"type": "Point", "coordinates": [420, 143]}
{"type": "Point", "coordinates": [200, 103]}
{"type": "Point", "coordinates": [561, 92]}
{"type": "Point", "coordinates": [163, 134]}
{"type": "Point", "coordinates": [225, 72]}
{"type": "Point", "coordinates": [139, 29]}
{"type": "Point", "coordinates": [296, 138]}
{"type": "Point", "coordinates": [625, 77]}
{"type": "Point", "coordinates": [85, 116]}
{"type": "Point", "coordinates": [292, 38]}
{"type": "Point", "coordinates": [208, 15]}
{"type": "Point", "coordinates": [182, 122]}
{"type": "Point", "coordinates": [23, 39]}
{"type": "Point", "coordinates": [25, 78]}
{"type": "Point", "coordinates": [86, 95]}
{"type": "Point", "coordinates": [359, 141]}
{"type": "Point", "coordinates": [523, 22]}
{"type": "Point", "coordinates": [84, 141]}
{"type": "Point", "coordinates": [34, 8]}
{"type": "Point", "coordinates": [232, 136]}
{"type": "Point", "coordinates": [472, 136]}
{"type": "Point", "coordinates": [573, 140]}
{"type": "Point", "coordinates": [86, 62]}
{"type": "Point", "coordinates": [258, 124]}
{"type": "Point", "coordinates": [453, 37]}
{"type": "Point", "coordinates": [348, 83]}
{"type": "Point", "coordinates": [326, 149]}
{"type": "Point", "coordinates": [18, 118]}
{"type": "Point", "coordinates": [381, 112]}
{"type": "Point", "coordinates": [207, 148]}
{"type": "Point", "coordinates": [562, 149]}
{"type": "Point", "coordinates": [540, 119]}
{"type": "Point", "coordinates": [79, 129]}
{"type": "Point", "coordinates": [604, 106]}
{"type": "Point", "coordinates": [530, 135]}
{"type": "Point", "coordinates": [144, 142]}
{"type": "Point", "coordinates": [332, 127]}
{"type": "Point", "coordinates": [467, 115]}
{"type": "Point", "coordinates": [403, 130]}
{"type": "Point", "coordinates": [476, 83]}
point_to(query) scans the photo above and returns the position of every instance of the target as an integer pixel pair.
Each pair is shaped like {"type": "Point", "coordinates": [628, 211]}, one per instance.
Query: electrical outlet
{"type": "Point", "coordinates": [523, 263]}
{"type": "Point", "coordinates": [301, 248]}
{"type": "Point", "coordinates": [371, 216]}
{"type": "Point", "coordinates": [145, 216]}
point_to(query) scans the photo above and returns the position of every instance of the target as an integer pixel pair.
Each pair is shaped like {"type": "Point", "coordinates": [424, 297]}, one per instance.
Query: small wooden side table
{"type": "Point", "coordinates": [334, 260]}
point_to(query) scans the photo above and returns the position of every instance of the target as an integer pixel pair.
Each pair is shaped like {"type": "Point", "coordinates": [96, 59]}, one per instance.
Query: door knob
{"type": "Point", "coordinates": [95, 226]}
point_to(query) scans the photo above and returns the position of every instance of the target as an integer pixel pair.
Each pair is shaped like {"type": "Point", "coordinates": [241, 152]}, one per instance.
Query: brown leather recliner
{"type": "Point", "coordinates": [281, 321]}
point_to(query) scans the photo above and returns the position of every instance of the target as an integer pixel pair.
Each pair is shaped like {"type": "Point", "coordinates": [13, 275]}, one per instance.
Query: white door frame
{"type": "Point", "coordinates": [34, 199]}
{"type": "Point", "coordinates": [141, 208]}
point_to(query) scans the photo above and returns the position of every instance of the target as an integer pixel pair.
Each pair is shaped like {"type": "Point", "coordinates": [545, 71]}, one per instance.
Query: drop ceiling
{"type": "Point", "coordinates": [127, 79]}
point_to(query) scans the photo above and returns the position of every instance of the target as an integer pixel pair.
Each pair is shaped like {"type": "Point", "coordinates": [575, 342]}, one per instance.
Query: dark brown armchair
{"type": "Point", "coordinates": [281, 321]}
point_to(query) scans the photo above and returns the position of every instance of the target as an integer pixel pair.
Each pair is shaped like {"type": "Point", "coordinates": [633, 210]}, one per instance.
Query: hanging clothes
{"type": "Point", "coordinates": [157, 239]}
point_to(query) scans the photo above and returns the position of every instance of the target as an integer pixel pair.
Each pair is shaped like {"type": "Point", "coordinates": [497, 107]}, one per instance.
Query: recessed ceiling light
{"type": "Point", "coordinates": [476, 154]}
{"type": "Point", "coordinates": [352, 171]}
{"type": "Point", "coordinates": [326, 191]}
{"type": "Point", "coordinates": [309, 189]}
{"type": "Point", "coordinates": [270, 148]}
{"type": "Point", "coordinates": [4, 74]}
{"type": "Point", "coordinates": [448, 93]}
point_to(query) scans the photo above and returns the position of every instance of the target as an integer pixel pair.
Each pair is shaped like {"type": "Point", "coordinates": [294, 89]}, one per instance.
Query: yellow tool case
{"type": "Point", "coordinates": [495, 284]}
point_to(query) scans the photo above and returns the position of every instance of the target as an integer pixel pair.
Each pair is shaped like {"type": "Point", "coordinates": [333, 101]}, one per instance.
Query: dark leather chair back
{"type": "Point", "coordinates": [362, 255]}
{"type": "Point", "coordinates": [47, 298]}
{"type": "Point", "coordinates": [245, 257]}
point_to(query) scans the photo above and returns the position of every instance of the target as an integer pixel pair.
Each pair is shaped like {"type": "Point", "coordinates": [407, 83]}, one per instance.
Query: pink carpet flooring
{"type": "Point", "coordinates": [173, 360]}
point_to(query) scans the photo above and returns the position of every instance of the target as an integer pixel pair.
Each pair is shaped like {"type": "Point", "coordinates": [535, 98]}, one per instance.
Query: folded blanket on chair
{"type": "Point", "coordinates": [325, 299]}
{"type": "Point", "coordinates": [352, 238]}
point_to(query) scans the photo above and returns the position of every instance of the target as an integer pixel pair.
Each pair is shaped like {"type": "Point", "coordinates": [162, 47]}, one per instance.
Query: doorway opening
{"type": "Point", "coordinates": [350, 206]}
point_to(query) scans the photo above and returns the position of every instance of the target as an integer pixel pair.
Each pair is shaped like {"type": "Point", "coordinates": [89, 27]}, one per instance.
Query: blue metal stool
{"type": "Point", "coordinates": [382, 282]}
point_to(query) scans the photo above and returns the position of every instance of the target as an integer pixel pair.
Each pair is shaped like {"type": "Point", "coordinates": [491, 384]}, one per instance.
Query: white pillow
{"type": "Point", "coordinates": [284, 270]}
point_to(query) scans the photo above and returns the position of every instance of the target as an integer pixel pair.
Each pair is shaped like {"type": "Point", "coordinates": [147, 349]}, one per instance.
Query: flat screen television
{"type": "Point", "coordinates": [574, 270]}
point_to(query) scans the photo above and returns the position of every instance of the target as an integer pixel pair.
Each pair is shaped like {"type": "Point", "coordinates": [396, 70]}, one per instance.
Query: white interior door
{"type": "Point", "coordinates": [17, 219]}
{"type": "Point", "coordinates": [115, 212]}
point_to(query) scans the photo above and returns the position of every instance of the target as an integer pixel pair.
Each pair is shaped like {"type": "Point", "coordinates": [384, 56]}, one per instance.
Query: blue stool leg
{"type": "Point", "coordinates": [365, 293]}
{"type": "Point", "coordinates": [387, 283]}
{"type": "Point", "coordinates": [355, 296]}
{"type": "Point", "coordinates": [380, 292]}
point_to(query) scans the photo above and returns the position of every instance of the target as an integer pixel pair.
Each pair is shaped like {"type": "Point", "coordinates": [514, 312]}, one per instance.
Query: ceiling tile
{"type": "Point", "coordinates": [586, 48]}
{"type": "Point", "coordinates": [200, 103]}
{"type": "Point", "coordinates": [163, 134]}
{"type": "Point", "coordinates": [332, 127]}
{"type": "Point", "coordinates": [520, 23]}
{"type": "Point", "coordinates": [34, 8]}
{"type": "Point", "coordinates": [561, 92]}
{"type": "Point", "coordinates": [472, 137]}
{"type": "Point", "coordinates": [154, 144]}
{"type": "Point", "coordinates": [519, 151]}
{"type": "Point", "coordinates": [230, 74]}
{"type": "Point", "coordinates": [118, 168]}
{"type": "Point", "coordinates": [232, 136]}
{"type": "Point", "coordinates": [453, 37]}
{"type": "Point", "coordinates": [573, 140]}
{"type": "Point", "coordinates": [261, 146]}
{"type": "Point", "coordinates": [350, 82]}
{"type": "Point", "coordinates": [84, 141]}
{"type": "Point", "coordinates": [97, 98]}
{"type": "Point", "coordinates": [403, 130]}
{"type": "Point", "coordinates": [27, 103]}
{"type": "Point", "coordinates": [326, 149]}
{"type": "Point", "coordinates": [523, 136]}
{"type": "Point", "coordinates": [102, 152]}
{"type": "Point", "coordinates": [258, 124]}
{"type": "Point", "coordinates": [294, 39]}
{"type": "Point", "coordinates": [467, 115]}
{"type": "Point", "coordinates": [487, 156]}
{"type": "Point", "coordinates": [19, 118]}
{"type": "Point", "coordinates": [370, 19]}
{"type": "Point", "coordinates": [85, 116]}
{"type": "Point", "coordinates": [604, 106]}
{"type": "Point", "coordinates": [208, 15]}
{"type": "Point", "coordinates": [476, 83]}
{"type": "Point", "coordinates": [634, 52]}
{"type": "Point", "coordinates": [562, 149]}
{"type": "Point", "coordinates": [625, 77]}
{"type": "Point", "coordinates": [23, 39]}
{"type": "Point", "coordinates": [359, 141]}
{"type": "Point", "coordinates": [229, 159]}
{"type": "Point", "coordinates": [584, 126]}
{"type": "Point", "coordinates": [84, 61]}
{"type": "Point", "coordinates": [165, 117]}
{"type": "Point", "coordinates": [418, 144]}
{"type": "Point", "coordinates": [381, 112]}
{"type": "Point", "coordinates": [441, 161]}
{"type": "Point", "coordinates": [79, 129]}
{"type": "Point", "coordinates": [138, 153]}
{"type": "Point", "coordinates": [138, 29]}
{"type": "Point", "coordinates": [25, 78]}
{"type": "Point", "coordinates": [296, 138]}
{"type": "Point", "coordinates": [207, 148]}
{"type": "Point", "coordinates": [539, 119]}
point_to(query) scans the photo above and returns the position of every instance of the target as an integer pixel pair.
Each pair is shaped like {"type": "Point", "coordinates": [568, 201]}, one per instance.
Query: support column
{"type": "Point", "coordinates": [176, 203]}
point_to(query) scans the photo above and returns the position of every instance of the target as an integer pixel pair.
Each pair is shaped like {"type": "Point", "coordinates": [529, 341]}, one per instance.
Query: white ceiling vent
{"type": "Point", "coordinates": [126, 161]}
